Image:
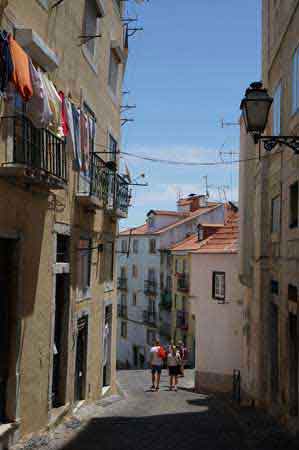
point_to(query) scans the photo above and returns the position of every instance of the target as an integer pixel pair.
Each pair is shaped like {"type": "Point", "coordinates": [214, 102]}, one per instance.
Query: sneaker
{"type": "Point", "coordinates": [152, 388]}
{"type": "Point", "coordinates": [157, 388]}
{"type": "Point", "coordinates": [175, 389]}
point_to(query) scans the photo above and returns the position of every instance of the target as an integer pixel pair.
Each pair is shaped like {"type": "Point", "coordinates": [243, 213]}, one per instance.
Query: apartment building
{"type": "Point", "coordinates": [61, 199]}
{"type": "Point", "coordinates": [145, 275]}
{"type": "Point", "coordinates": [269, 225]}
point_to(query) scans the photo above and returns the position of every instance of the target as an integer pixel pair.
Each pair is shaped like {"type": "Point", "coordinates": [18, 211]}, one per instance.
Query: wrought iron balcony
{"type": "Point", "coordinates": [94, 186]}
{"type": "Point", "coordinates": [166, 300]}
{"type": "Point", "coordinates": [122, 311]}
{"type": "Point", "coordinates": [122, 197]}
{"type": "Point", "coordinates": [182, 282]}
{"type": "Point", "coordinates": [150, 287]}
{"type": "Point", "coordinates": [150, 317]}
{"type": "Point", "coordinates": [182, 320]}
{"type": "Point", "coordinates": [122, 283]}
{"type": "Point", "coordinates": [33, 155]}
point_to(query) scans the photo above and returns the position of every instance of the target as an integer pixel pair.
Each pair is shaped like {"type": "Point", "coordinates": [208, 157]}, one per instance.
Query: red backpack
{"type": "Point", "coordinates": [161, 353]}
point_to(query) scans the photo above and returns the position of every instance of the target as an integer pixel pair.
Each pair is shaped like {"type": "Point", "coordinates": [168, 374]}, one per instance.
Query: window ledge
{"type": "Point", "coordinates": [89, 60]}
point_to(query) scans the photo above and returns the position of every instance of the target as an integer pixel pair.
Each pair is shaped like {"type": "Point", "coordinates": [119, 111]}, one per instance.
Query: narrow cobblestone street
{"type": "Point", "coordinates": [140, 419]}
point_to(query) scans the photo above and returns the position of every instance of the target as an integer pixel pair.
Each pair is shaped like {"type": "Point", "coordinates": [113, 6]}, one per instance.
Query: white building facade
{"type": "Point", "coordinates": [144, 267]}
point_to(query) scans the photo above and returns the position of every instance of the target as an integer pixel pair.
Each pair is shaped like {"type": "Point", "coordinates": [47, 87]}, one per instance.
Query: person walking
{"type": "Point", "coordinates": [173, 361]}
{"type": "Point", "coordinates": [157, 354]}
{"type": "Point", "coordinates": [184, 356]}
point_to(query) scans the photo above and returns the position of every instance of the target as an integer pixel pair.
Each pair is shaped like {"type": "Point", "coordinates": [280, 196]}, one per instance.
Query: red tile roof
{"type": "Point", "coordinates": [192, 243]}
{"type": "Point", "coordinates": [159, 212]}
{"type": "Point", "coordinates": [225, 240]}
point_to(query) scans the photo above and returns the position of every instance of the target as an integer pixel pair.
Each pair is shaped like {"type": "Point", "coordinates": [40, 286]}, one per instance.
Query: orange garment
{"type": "Point", "coordinates": [21, 74]}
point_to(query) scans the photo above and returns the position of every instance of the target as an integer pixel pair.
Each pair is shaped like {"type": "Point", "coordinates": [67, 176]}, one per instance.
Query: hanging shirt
{"type": "Point", "coordinates": [70, 121]}
{"type": "Point", "coordinates": [20, 74]}
{"type": "Point", "coordinates": [6, 64]}
{"type": "Point", "coordinates": [38, 108]}
{"type": "Point", "coordinates": [77, 134]}
{"type": "Point", "coordinates": [64, 117]}
{"type": "Point", "coordinates": [55, 105]}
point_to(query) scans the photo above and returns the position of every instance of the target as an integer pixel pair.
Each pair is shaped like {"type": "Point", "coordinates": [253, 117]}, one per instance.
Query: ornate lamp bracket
{"type": "Point", "coordinates": [271, 141]}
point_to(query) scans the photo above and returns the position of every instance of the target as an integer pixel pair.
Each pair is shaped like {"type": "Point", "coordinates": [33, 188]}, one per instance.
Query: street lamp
{"type": "Point", "coordinates": [255, 108]}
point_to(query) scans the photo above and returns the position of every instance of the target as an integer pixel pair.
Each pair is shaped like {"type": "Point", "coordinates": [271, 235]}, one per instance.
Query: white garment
{"type": "Point", "coordinates": [55, 103]}
{"type": "Point", "coordinates": [173, 360]}
{"type": "Point", "coordinates": [71, 137]}
{"type": "Point", "coordinates": [38, 108]}
{"type": "Point", "coordinates": [155, 358]}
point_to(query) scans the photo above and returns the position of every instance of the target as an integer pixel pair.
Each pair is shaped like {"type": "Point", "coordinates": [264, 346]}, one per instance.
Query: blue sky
{"type": "Point", "coordinates": [187, 71]}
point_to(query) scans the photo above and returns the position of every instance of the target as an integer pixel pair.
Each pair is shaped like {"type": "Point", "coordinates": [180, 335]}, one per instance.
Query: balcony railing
{"type": "Point", "coordinates": [150, 317]}
{"type": "Point", "coordinates": [36, 154]}
{"type": "Point", "coordinates": [122, 311]}
{"type": "Point", "coordinates": [182, 320]}
{"type": "Point", "coordinates": [182, 282]}
{"type": "Point", "coordinates": [150, 287]}
{"type": "Point", "coordinates": [122, 197]}
{"type": "Point", "coordinates": [166, 300]}
{"type": "Point", "coordinates": [122, 283]}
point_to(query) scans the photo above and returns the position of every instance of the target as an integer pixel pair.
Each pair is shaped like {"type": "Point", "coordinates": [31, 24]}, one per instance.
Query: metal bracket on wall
{"type": "Point", "coordinates": [289, 141]}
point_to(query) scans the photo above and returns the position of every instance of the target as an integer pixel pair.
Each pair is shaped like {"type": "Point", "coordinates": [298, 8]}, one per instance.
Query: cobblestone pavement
{"type": "Point", "coordinates": [183, 420]}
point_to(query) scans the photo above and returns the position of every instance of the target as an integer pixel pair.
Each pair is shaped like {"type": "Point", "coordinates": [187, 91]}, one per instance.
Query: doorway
{"type": "Point", "coordinates": [81, 358]}
{"type": "Point", "coordinates": [293, 358]}
{"type": "Point", "coordinates": [107, 336]}
{"type": "Point", "coordinates": [60, 348]}
{"type": "Point", "coordinates": [8, 297]}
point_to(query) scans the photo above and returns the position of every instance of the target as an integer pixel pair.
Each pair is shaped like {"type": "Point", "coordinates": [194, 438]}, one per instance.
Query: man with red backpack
{"type": "Point", "coordinates": [157, 356]}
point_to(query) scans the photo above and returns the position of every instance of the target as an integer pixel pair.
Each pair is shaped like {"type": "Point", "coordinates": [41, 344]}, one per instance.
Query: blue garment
{"type": "Point", "coordinates": [6, 64]}
{"type": "Point", "coordinates": [77, 135]}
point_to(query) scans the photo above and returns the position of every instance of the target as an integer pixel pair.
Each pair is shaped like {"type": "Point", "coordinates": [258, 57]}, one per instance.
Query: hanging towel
{"type": "Point", "coordinates": [55, 105]}
{"type": "Point", "coordinates": [38, 108]}
{"type": "Point", "coordinates": [21, 74]}
{"type": "Point", "coordinates": [70, 121]}
{"type": "Point", "coordinates": [84, 129]}
{"type": "Point", "coordinates": [64, 117]}
{"type": "Point", "coordinates": [6, 64]}
{"type": "Point", "coordinates": [77, 135]}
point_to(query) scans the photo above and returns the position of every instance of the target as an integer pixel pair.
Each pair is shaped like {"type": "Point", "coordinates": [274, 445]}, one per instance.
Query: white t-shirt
{"type": "Point", "coordinates": [155, 358]}
{"type": "Point", "coordinates": [173, 360]}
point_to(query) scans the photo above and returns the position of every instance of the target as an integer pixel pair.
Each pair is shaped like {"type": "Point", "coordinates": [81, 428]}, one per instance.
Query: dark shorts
{"type": "Point", "coordinates": [156, 369]}
{"type": "Point", "coordinates": [173, 371]}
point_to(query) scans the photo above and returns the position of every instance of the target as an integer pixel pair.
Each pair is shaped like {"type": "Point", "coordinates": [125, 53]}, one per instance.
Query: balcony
{"type": "Point", "coordinates": [122, 311]}
{"type": "Point", "coordinates": [150, 287]}
{"type": "Point", "coordinates": [166, 300]}
{"type": "Point", "coordinates": [122, 283]}
{"type": "Point", "coordinates": [182, 320]}
{"type": "Point", "coordinates": [32, 155]}
{"type": "Point", "coordinates": [122, 198]}
{"type": "Point", "coordinates": [93, 187]}
{"type": "Point", "coordinates": [150, 318]}
{"type": "Point", "coordinates": [182, 282]}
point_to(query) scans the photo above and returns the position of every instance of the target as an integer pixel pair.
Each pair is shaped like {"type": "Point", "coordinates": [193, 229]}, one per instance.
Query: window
{"type": "Point", "coordinates": [90, 25]}
{"type": "Point", "coordinates": [123, 330]}
{"type": "Point", "coordinates": [274, 287]}
{"type": "Point", "coordinates": [200, 233]}
{"type": "Point", "coordinates": [219, 286]}
{"type": "Point", "coordinates": [134, 301]}
{"type": "Point", "coordinates": [134, 271]}
{"type": "Point", "coordinates": [123, 300]}
{"type": "Point", "coordinates": [168, 282]}
{"type": "Point", "coordinates": [294, 205]}
{"type": "Point", "coordinates": [184, 304]}
{"type": "Point", "coordinates": [113, 71]}
{"type": "Point", "coordinates": [150, 337]}
{"type": "Point", "coordinates": [112, 148]}
{"type": "Point", "coordinates": [84, 267]}
{"type": "Point", "coordinates": [152, 275]}
{"type": "Point", "coordinates": [295, 82]}
{"type": "Point", "coordinates": [161, 281]}
{"type": "Point", "coordinates": [152, 246]}
{"type": "Point", "coordinates": [184, 266]}
{"type": "Point", "coordinates": [277, 110]}
{"type": "Point", "coordinates": [63, 248]}
{"type": "Point", "coordinates": [275, 214]}
{"type": "Point", "coordinates": [123, 274]}
{"type": "Point", "coordinates": [124, 246]}
{"type": "Point", "coordinates": [175, 301]}
{"type": "Point", "coordinates": [177, 266]}
{"type": "Point", "coordinates": [292, 293]}
{"type": "Point", "coordinates": [135, 246]}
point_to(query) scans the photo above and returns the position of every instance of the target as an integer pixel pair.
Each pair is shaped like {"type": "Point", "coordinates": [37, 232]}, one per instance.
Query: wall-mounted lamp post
{"type": "Point", "coordinates": [255, 108]}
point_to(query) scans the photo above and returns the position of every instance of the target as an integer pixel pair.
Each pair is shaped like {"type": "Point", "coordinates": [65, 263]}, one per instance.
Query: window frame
{"type": "Point", "coordinates": [134, 299]}
{"type": "Point", "coordinates": [84, 267]}
{"type": "Point", "coordinates": [295, 81]}
{"type": "Point", "coordinates": [134, 271]}
{"type": "Point", "coordinates": [135, 246]}
{"type": "Point", "coordinates": [216, 295]}
{"type": "Point", "coordinates": [123, 327]}
{"type": "Point", "coordinates": [293, 222]}
{"type": "Point", "coordinates": [96, 30]}
{"type": "Point", "coordinates": [152, 248]}
{"type": "Point", "coordinates": [112, 146]}
{"type": "Point", "coordinates": [274, 287]}
{"type": "Point", "coordinates": [124, 246]}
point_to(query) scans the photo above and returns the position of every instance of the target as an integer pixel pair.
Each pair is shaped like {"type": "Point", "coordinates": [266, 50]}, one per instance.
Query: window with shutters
{"type": "Point", "coordinates": [84, 267]}
{"type": "Point", "coordinates": [135, 246]}
{"type": "Point", "coordinates": [218, 291]}
{"type": "Point", "coordinates": [275, 214]}
{"type": "Point", "coordinates": [134, 271]}
{"type": "Point", "coordinates": [124, 246]}
{"type": "Point", "coordinates": [113, 71]}
{"type": "Point", "coordinates": [152, 246]}
{"type": "Point", "coordinates": [293, 202]}
{"type": "Point", "coordinates": [134, 300]}
{"type": "Point", "coordinates": [274, 287]}
{"type": "Point", "coordinates": [295, 82]}
{"type": "Point", "coordinates": [277, 110]}
{"type": "Point", "coordinates": [292, 293]}
{"type": "Point", "coordinates": [113, 147]}
{"type": "Point", "coordinates": [123, 330]}
{"type": "Point", "coordinates": [91, 25]}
